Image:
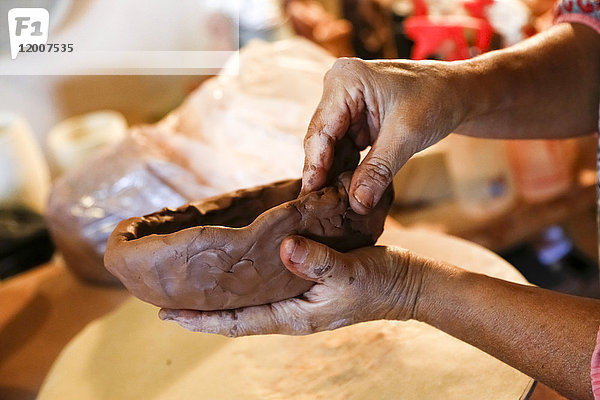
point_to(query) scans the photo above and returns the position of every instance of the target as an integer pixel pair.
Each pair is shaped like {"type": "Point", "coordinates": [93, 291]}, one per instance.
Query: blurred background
{"type": "Point", "coordinates": [532, 202]}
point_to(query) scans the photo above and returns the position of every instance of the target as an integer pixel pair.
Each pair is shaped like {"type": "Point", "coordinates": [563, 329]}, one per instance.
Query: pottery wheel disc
{"type": "Point", "coordinates": [131, 354]}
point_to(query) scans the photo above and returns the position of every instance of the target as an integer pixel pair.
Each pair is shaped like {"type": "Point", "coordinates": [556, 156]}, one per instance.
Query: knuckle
{"type": "Point", "coordinates": [319, 138]}
{"type": "Point", "coordinates": [317, 127]}
{"type": "Point", "coordinates": [313, 129]}
{"type": "Point", "coordinates": [322, 262]}
{"type": "Point", "coordinates": [286, 318]}
{"type": "Point", "coordinates": [379, 171]}
{"type": "Point", "coordinates": [342, 66]}
{"type": "Point", "coordinates": [331, 74]}
{"type": "Point", "coordinates": [346, 62]}
{"type": "Point", "coordinates": [304, 323]}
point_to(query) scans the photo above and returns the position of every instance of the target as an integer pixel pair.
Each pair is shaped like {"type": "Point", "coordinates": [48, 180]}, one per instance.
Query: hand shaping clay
{"type": "Point", "coordinates": [223, 253]}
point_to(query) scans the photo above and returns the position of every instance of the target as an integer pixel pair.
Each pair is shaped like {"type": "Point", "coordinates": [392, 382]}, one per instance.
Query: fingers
{"type": "Point", "coordinates": [376, 172]}
{"type": "Point", "coordinates": [313, 261]}
{"type": "Point", "coordinates": [342, 101]}
{"type": "Point", "coordinates": [284, 317]}
{"type": "Point", "coordinates": [329, 124]}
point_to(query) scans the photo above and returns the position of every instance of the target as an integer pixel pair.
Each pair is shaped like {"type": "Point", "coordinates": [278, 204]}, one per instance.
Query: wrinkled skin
{"type": "Point", "coordinates": [398, 107]}
{"type": "Point", "coordinates": [365, 284]}
{"type": "Point", "coordinates": [205, 257]}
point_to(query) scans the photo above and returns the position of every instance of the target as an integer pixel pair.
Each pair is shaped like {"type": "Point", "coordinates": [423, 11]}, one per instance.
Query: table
{"type": "Point", "coordinates": [43, 309]}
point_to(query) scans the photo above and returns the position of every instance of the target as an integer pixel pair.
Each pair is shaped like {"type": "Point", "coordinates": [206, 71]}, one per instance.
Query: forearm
{"type": "Point", "coordinates": [545, 87]}
{"type": "Point", "coordinates": [547, 335]}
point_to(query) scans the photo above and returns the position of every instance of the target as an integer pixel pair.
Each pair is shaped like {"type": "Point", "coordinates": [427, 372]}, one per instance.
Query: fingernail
{"type": "Point", "coordinates": [364, 195]}
{"type": "Point", "coordinates": [296, 250]}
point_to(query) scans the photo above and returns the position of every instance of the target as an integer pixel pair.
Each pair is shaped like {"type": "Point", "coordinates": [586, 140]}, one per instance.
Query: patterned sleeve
{"type": "Point", "coordinates": [595, 374]}
{"type": "Point", "coordinates": [581, 11]}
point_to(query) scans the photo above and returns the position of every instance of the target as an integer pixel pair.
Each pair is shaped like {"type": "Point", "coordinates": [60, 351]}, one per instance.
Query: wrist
{"type": "Point", "coordinates": [411, 273]}
{"type": "Point", "coordinates": [440, 283]}
{"type": "Point", "coordinates": [468, 93]}
{"type": "Point", "coordinates": [488, 84]}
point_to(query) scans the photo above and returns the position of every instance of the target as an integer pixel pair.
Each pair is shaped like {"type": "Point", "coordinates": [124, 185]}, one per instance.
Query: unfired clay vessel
{"type": "Point", "coordinates": [223, 252]}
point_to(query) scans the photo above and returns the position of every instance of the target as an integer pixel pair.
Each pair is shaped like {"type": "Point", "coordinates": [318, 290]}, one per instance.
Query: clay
{"type": "Point", "coordinates": [223, 253]}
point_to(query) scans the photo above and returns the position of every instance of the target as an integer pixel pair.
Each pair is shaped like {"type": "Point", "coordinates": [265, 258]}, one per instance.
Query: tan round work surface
{"type": "Point", "coordinates": [131, 354]}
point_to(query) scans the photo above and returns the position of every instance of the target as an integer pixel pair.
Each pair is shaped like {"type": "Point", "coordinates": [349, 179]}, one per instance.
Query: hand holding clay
{"type": "Point", "coordinates": [397, 107]}
{"type": "Point", "coordinates": [221, 254]}
{"type": "Point", "coordinates": [366, 284]}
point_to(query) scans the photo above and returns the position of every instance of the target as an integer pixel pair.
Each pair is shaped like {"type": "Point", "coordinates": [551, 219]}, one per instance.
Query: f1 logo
{"type": "Point", "coordinates": [27, 26]}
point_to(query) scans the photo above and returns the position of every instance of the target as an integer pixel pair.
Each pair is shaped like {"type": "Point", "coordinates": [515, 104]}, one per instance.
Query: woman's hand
{"type": "Point", "coordinates": [402, 107]}
{"type": "Point", "coordinates": [397, 107]}
{"type": "Point", "coordinates": [365, 284]}
{"type": "Point", "coordinates": [547, 335]}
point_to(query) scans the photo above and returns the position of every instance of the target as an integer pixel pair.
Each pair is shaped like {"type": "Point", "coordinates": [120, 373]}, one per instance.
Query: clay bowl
{"type": "Point", "coordinates": [223, 252]}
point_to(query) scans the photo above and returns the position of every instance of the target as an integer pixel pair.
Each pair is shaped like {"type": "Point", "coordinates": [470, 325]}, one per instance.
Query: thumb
{"type": "Point", "coordinates": [311, 260]}
{"type": "Point", "coordinates": [376, 172]}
